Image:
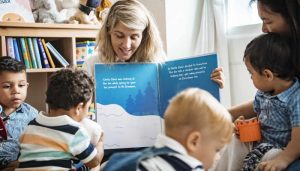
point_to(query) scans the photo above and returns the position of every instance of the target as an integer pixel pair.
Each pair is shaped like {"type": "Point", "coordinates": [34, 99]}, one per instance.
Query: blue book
{"type": "Point", "coordinates": [43, 54]}
{"type": "Point", "coordinates": [20, 49]}
{"type": "Point", "coordinates": [16, 49]}
{"type": "Point", "coordinates": [57, 55]}
{"type": "Point", "coordinates": [131, 98]}
{"type": "Point", "coordinates": [37, 53]}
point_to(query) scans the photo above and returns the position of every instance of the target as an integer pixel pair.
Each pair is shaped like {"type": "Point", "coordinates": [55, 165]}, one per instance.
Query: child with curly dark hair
{"type": "Point", "coordinates": [14, 111]}
{"type": "Point", "coordinates": [57, 140]}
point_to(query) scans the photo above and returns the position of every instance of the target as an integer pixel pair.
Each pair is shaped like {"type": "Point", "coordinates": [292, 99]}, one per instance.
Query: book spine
{"type": "Point", "coordinates": [37, 53]}
{"type": "Point", "coordinates": [16, 49]}
{"type": "Point", "coordinates": [10, 47]}
{"type": "Point", "coordinates": [32, 54]}
{"type": "Point", "coordinates": [48, 54]}
{"type": "Point", "coordinates": [57, 55]}
{"type": "Point", "coordinates": [24, 51]}
{"type": "Point", "coordinates": [28, 53]}
{"type": "Point", "coordinates": [43, 54]}
{"type": "Point", "coordinates": [20, 50]}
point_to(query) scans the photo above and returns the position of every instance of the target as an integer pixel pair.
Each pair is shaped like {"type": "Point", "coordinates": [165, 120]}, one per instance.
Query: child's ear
{"type": "Point", "coordinates": [193, 140]}
{"type": "Point", "coordinates": [79, 108]}
{"type": "Point", "coordinates": [268, 74]}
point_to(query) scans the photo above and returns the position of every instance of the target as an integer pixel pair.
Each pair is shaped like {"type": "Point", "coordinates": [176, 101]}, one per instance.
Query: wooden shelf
{"type": "Point", "coordinates": [62, 36]}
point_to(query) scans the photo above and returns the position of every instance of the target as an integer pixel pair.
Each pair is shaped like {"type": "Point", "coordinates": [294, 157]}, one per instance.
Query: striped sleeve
{"type": "Point", "coordinates": [81, 147]}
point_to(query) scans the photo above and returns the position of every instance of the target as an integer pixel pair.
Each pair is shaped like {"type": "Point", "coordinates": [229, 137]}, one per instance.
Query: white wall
{"type": "Point", "coordinates": [242, 88]}
{"type": "Point", "coordinates": [182, 26]}
{"type": "Point", "coordinates": [158, 10]}
{"type": "Point", "coordinates": [178, 24]}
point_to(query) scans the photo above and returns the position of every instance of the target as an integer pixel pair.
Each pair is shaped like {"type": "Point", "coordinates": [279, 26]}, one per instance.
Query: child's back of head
{"type": "Point", "coordinates": [69, 87]}
{"type": "Point", "coordinates": [271, 51]}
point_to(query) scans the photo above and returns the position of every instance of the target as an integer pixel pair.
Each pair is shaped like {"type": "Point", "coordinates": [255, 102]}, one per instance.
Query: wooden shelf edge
{"type": "Point", "coordinates": [42, 70]}
{"type": "Point", "coordinates": [48, 25]}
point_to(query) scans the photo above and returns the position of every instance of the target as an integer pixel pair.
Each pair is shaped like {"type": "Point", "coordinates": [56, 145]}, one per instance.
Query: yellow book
{"type": "Point", "coordinates": [48, 54]}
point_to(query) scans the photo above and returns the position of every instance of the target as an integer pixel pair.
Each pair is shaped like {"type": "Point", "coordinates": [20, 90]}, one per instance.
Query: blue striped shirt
{"type": "Point", "coordinates": [18, 120]}
{"type": "Point", "coordinates": [278, 114]}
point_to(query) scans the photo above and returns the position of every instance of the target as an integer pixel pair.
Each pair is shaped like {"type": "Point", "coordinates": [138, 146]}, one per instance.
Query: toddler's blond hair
{"type": "Point", "coordinates": [194, 109]}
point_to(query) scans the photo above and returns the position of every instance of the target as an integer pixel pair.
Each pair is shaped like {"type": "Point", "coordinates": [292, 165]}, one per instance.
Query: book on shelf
{"type": "Point", "coordinates": [16, 49]}
{"type": "Point", "coordinates": [49, 57]}
{"type": "Point", "coordinates": [24, 52]}
{"type": "Point", "coordinates": [28, 53]}
{"type": "Point", "coordinates": [10, 47]}
{"type": "Point", "coordinates": [20, 49]}
{"type": "Point", "coordinates": [131, 98]}
{"type": "Point", "coordinates": [36, 52]}
{"type": "Point", "coordinates": [44, 58]}
{"type": "Point", "coordinates": [15, 11]}
{"type": "Point", "coordinates": [84, 50]}
{"type": "Point", "coordinates": [57, 55]}
{"type": "Point", "coordinates": [31, 52]}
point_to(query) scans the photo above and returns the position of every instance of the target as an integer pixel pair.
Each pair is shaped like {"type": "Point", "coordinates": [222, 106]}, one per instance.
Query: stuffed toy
{"type": "Point", "coordinates": [103, 9]}
{"type": "Point", "coordinates": [46, 12]}
{"type": "Point", "coordinates": [67, 8]}
{"type": "Point", "coordinates": [86, 13]}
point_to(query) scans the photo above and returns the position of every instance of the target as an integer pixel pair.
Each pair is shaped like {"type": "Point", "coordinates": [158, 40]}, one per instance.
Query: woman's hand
{"type": "Point", "coordinates": [218, 77]}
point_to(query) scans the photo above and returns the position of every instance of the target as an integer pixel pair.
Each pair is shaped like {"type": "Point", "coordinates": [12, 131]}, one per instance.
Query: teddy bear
{"type": "Point", "coordinates": [45, 11]}
{"type": "Point", "coordinates": [67, 8]}
{"type": "Point", "coordinates": [103, 9]}
{"type": "Point", "coordinates": [86, 13]}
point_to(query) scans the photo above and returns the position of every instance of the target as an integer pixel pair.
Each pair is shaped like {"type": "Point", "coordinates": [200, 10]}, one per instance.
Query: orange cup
{"type": "Point", "coordinates": [249, 130]}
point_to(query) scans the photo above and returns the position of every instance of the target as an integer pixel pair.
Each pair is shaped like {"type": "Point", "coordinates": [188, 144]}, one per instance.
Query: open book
{"type": "Point", "coordinates": [131, 97]}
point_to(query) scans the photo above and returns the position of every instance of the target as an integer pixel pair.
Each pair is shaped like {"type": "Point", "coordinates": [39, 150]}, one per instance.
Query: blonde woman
{"type": "Point", "coordinates": [130, 34]}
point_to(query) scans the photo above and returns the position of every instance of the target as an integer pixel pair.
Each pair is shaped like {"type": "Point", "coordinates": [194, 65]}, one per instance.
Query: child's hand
{"type": "Point", "coordinates": [239, 119]}
{"type": "Point", "coordinates": [276, 165]}
{"type": "Point", "coordinates": [218, 76]}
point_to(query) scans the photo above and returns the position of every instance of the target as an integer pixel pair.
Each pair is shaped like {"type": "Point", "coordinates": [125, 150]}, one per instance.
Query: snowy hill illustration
{"type": "Point", "coordinates": [124, 130]}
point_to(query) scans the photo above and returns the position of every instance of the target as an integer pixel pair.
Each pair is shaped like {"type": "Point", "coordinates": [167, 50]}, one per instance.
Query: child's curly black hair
{"type": "Point", "coordinates": [69, 87]}
{"type": "Point", "coordinates": [10, 64]}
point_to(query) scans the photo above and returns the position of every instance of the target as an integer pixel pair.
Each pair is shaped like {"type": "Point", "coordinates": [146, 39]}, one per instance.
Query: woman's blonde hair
{"type": "Point", "coordinates": [134, 15]}
{"type": "Point", "coordinates": [195, 109]}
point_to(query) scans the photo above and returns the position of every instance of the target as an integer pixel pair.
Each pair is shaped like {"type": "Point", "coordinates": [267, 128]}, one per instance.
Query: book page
{"type": "Point", "coordinates": [127, 104]}
{"type": "Point", "coordinates": [176, 75]}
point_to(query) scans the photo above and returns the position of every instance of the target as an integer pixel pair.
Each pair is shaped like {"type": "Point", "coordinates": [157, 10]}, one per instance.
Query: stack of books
{"type": "Point", "coordinates": [35, 52]}
{"type": "Point", "coordinates": [84, 50]}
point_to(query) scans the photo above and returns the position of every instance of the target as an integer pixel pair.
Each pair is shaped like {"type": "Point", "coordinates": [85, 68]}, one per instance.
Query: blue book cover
{"type": "Point", "coordinates": [37, 53]}
{"type": "Point", "coordinates": [43, 54]}
{"type": "Point", "coordinates": [131, 98]}
{"type": "Point", "coordinates": [20, 49]}
{"type": "Point", "coordinates": [16, 49]}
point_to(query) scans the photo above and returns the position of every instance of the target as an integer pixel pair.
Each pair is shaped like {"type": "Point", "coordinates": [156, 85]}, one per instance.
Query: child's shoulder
{"type": "Point", "coordinates": [27, 108]}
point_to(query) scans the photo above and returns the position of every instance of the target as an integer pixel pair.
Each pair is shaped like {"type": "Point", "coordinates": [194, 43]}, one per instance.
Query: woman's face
{"type": "Point", "coordinates": [272, 21]}
{"type": "Point", "coordinates": [125, 41]}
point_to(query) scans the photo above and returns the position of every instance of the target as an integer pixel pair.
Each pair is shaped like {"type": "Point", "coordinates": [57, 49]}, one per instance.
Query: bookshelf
{"type": "Point", "coordinates": [62, 36]}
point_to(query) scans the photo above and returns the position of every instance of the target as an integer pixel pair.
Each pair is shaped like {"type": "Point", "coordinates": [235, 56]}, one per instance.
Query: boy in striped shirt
{"type": "Point", "coordinates": [56, 140]}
